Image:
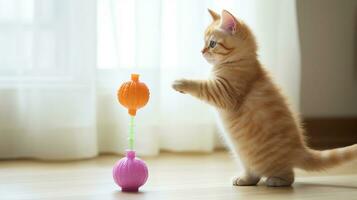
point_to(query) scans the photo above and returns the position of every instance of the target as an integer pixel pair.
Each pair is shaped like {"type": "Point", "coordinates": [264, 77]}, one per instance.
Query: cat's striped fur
{"type": "Point", "coordinates": [257, 119]}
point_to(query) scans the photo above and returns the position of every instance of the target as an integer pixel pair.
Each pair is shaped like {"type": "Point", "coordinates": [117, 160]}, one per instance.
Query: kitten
{"type": "Point", "coordinates": [257, 119]}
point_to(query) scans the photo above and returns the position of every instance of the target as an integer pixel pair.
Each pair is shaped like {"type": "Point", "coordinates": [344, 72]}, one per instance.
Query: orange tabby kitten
{"type": "Point", "coordinates": [265, 133]}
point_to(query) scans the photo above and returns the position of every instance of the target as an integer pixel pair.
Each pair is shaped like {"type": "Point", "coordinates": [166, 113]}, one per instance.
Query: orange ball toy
{"type": "Point", "coordinates": [133, 94]}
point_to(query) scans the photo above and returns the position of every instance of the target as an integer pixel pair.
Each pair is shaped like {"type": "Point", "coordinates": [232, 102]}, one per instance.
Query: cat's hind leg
{"type": "Point", "coordinates": [285, 178]}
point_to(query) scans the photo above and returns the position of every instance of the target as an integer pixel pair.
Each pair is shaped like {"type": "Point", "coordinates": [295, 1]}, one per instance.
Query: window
{"type": "Point", "coordinates": [32, 36]}
{"type": "Point", "coordinates": [116, 48]}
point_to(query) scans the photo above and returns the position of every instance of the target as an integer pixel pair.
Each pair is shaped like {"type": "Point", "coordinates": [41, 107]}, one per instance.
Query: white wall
{"type": "Point", "coordinates": [328, 31]}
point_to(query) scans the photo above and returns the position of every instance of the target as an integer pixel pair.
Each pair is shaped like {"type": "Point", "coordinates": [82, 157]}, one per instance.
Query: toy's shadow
{"type": "Point", "coordinates": [130, 195]}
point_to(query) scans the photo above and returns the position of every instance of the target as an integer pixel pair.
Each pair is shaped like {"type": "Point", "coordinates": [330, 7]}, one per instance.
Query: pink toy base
{"type": "Point", "coordinates": [130, 172]}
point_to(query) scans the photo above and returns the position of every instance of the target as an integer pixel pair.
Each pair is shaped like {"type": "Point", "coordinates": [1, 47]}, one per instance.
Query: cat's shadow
{"type": "Point", "coordinates": [298, 187]}
{"type": "Point", "coordinates": [302, 185]}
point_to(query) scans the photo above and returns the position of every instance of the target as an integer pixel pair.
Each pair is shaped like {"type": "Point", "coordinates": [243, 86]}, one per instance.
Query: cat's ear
{"type": "Point", "coordinates": [228, 22]}
{"type": "Point", "coordinates": [213, 14]}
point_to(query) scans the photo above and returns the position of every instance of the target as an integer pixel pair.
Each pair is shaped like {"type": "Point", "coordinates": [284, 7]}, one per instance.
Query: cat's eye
{"type": "Point", "coordinates": [212, 44]}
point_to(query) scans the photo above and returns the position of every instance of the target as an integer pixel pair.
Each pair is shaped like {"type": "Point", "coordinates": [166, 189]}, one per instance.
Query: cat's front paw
{"type": "Point", "coordinates": [181, 85]}
{"type": "Point", "coordinates": [245, 180]}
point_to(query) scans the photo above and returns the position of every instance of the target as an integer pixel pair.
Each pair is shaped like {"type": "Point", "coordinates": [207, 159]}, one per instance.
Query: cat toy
{"type": "Point", "coordinates": [130, 172]}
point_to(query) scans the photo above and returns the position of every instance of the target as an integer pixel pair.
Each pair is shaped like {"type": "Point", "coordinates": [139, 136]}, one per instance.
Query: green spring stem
{"type": "Point", "coordinates": [131, 133]}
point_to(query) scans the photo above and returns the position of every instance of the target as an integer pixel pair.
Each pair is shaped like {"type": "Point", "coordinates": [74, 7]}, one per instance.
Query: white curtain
{"type": "Point", "coordinates": [61, 63]}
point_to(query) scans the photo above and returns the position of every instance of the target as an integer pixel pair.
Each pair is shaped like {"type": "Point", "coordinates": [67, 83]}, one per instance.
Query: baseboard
{"type": "Point", "coordinates": [324, 133]}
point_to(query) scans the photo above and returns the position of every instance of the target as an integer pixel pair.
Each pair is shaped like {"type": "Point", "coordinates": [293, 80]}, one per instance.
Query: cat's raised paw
{"type": "Point", "coordinates": [180, 85]}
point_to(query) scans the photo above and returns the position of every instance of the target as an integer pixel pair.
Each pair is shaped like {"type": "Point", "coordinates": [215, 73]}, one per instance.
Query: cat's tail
{"type": "Point", "coordinates": [313, 160]}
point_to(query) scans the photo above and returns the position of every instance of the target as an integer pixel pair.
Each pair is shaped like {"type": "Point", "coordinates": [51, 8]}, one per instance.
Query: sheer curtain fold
{"type": "Point", "coordinates": [63, 60]}
{"type": "Point", "coordinates": [48, 102]}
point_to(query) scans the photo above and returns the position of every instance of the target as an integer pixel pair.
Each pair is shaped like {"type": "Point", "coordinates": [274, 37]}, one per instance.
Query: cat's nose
{"type": "Point", "coordinates": [204, 50]}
